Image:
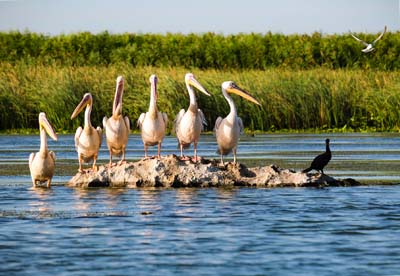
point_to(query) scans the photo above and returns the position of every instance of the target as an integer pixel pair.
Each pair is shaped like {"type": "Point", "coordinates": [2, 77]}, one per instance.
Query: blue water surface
{"type": "Point", "coordinates": [212, 231]}
{"type": "Point", "coordinates": [238, 231]}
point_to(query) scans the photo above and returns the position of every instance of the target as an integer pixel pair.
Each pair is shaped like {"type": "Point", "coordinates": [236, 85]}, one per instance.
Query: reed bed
{"type": "Point", "coordinates": [317, 99]}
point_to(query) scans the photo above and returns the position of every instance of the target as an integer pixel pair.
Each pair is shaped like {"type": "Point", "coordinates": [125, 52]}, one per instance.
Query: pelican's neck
{"type": "Point", "coordinates": [233, 113]}
{"type": "Point", "coordinates": [43, 140]}
{"type": "Point", "coordinates": [192, 97]}
{"type": "Point", "coordinates": [153, 100]}
{"type": "Point", "coordinates": [88, 110]}
{"type": "Point", "coordinates": [117, 104]}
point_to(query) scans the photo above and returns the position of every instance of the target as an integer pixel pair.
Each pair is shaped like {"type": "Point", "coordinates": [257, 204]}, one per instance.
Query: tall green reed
{"type": "Point", "coordinates": [320, 99]}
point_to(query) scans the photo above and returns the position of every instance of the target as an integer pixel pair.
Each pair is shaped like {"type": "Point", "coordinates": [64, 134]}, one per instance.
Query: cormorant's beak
{"type": "Point", "coordinates": [44, 123]}
{"type": "Point", "coordinates": [239, 91]}
{"type": "Point", "coordinates": [87, 100]}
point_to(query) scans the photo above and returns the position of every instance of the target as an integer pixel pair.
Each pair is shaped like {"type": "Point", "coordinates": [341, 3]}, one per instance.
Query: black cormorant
{"type": "Point", "coordinates": [321, 160]}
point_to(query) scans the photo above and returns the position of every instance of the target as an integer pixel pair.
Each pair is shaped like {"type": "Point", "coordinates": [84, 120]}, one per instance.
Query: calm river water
{"type": "Point", "coordinates": [236, 231]}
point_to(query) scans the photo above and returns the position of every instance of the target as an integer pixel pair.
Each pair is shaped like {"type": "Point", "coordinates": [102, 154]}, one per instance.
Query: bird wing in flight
{"type": "Point", "coordinates": [380, 36]}
{"type": "Point", "coordinates": [359, 40]}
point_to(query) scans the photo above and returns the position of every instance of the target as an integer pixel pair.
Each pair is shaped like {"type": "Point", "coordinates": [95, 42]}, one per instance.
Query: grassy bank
{"type": "Point", "coordinates": [291, 99]}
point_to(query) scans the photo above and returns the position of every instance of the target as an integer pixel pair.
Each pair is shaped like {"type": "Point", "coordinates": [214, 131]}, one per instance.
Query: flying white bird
{"type": "Point", "coordinates": [369, 46]}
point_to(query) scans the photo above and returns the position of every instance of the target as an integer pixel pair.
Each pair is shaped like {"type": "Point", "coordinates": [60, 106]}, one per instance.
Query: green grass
{"type": "Point", "coordinates": [292, 100]}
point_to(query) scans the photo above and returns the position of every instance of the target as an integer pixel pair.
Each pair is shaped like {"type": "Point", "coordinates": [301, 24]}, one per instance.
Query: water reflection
{"type": "Point", "coordinates": [39, 201]}
{"type": "Point", "coordinates": [81, 205]}
{"type": "Point", "coordinates": [226, 194]}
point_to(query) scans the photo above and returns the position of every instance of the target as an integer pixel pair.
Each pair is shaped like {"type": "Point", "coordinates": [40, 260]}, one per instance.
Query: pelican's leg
{"type": "Point", "coordinates": [94, 163]}
{"type": "Point", "coordinates": [181, 147]}
{"type": "Point", "coordinates": [195, 151]}
{"type": "Point", "coordinates": [48, 183]}
{"type": "Point", "coordinates": [159, 151]}
{"type": "Point", "coordinates": [123, 157]}
{"type": "Point", "coordinates": [34, 182]}
{"type": "Point", "coordinates": [234, 155]}
{"type": "Point", "coordinates": [80, 163]}
{"type": "Point", "coordinates": [145, 152]}
{"type": "Point", "coordinates": [222, 160]}
{"type": "Point", "coordinates": [110, 163]}
{"type": "Point", "coordinates": [183, 158]}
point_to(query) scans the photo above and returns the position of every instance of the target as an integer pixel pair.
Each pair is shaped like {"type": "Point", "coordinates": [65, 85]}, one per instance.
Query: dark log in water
{"type": "Point", "coordinates": [170, 171]}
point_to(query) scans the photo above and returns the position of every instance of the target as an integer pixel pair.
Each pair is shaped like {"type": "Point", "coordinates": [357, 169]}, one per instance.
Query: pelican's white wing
{"type": "Point", "coordinates": [217, 124]}
{"type": "Point", "coordinates": [203, 119]}
{"type": "Point", "coordinates": [127, 124]}
{"type": "Point", "coordinates": [77, 135]}
{"type": "Point", "coordinates": [178, 119]}
{"type": "Point", "coordinates": [165, 118]}
{"type": "Point", "coordinates": [141, 120]}
{"type": "Point", "coordinates": [240, 123]}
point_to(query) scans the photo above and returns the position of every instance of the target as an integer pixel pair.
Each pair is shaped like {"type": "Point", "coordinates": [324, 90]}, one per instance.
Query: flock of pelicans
{"type": "Point", "coordinates": [187, 125]}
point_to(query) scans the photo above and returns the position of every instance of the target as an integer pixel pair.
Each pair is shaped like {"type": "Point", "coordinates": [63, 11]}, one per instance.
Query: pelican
{"type": "Point", "coordinates": [117, 127]}
{"type": "Point", "coordinates": [188, 125]}
{"type": "Point", "coordinates": [153, 123]}
{"type": "Point", "coordinates": [42, 163]}
{"type": "Point", "coordinates": [88, 138]}
{"type": "Point", "coordinates": [228, 129]}
{"type": "Point", "coordinates": [369, 46]}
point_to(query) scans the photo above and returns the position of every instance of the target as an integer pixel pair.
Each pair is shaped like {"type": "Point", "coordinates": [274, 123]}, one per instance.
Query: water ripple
{"type": "Point", "coordinates": [237, 231]}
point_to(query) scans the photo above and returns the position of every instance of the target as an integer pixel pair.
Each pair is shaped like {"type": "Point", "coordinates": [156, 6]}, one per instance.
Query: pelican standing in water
{"type": "Point", "coordinates": [88, 138]}
{"type": "Point", "coordinates": [228, 129]}
{"type": "Point", "coordinates": [42, 163]}
{"type": "Point", "coordinates": [117, 127]}
{"type": "Point", "coordinates": [188, 125]}
{"type": "Point", "coordinates": [153, 123]}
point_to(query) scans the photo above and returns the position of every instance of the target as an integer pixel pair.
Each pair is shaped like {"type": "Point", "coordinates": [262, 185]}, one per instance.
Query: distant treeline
{"type": "Point", "coordinates": [203, 51]}
{"type": "Point", "coordinates": [321, 99]}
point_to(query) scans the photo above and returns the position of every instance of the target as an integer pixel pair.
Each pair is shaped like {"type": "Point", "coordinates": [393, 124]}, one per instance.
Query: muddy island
{"type": "Point", "coordinates": [171, 172]}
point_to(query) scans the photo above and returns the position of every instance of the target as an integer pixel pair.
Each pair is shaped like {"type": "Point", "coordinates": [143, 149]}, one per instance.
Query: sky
{"type": "Point", "coordinates": [53, 17]}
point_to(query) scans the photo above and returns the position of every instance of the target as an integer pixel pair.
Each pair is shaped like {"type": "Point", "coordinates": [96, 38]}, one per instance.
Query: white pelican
{"type": "Point", "coordinates": [188, 125]}
{"type": "Point", "coordinates": [228, 129]}
{"type": "Point", "coordinates": [88, 138]}
{"type": "Point", "coordinates": [369, 46]}
{"type": "Point", "coordinates": [153, 123]}
{"type": "Point", "coordinates": [42, 163]}
{"type": "Point", "coordinates": [117, 127]}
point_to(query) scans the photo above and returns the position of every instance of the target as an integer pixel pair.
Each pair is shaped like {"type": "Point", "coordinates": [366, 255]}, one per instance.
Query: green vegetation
{"type": "Point", "coordinates": [318, 98]}
{"type": "Point", "coordinates": [319, 82]}
{"type": "Point", "coordinates": [203, 51]}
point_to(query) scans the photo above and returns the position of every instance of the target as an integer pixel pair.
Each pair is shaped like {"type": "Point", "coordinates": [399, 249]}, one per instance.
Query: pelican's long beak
{"type": "Point", "coordinates": [44, 123]}
{"type": "Point", "coordinates": [87, 100]}
{"type": "Point", "coordinates": [119, 91]}
{"type": "Point", "coordinates": [192, 81]}
{"type": "Point", "coordinates": [233, 88]}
